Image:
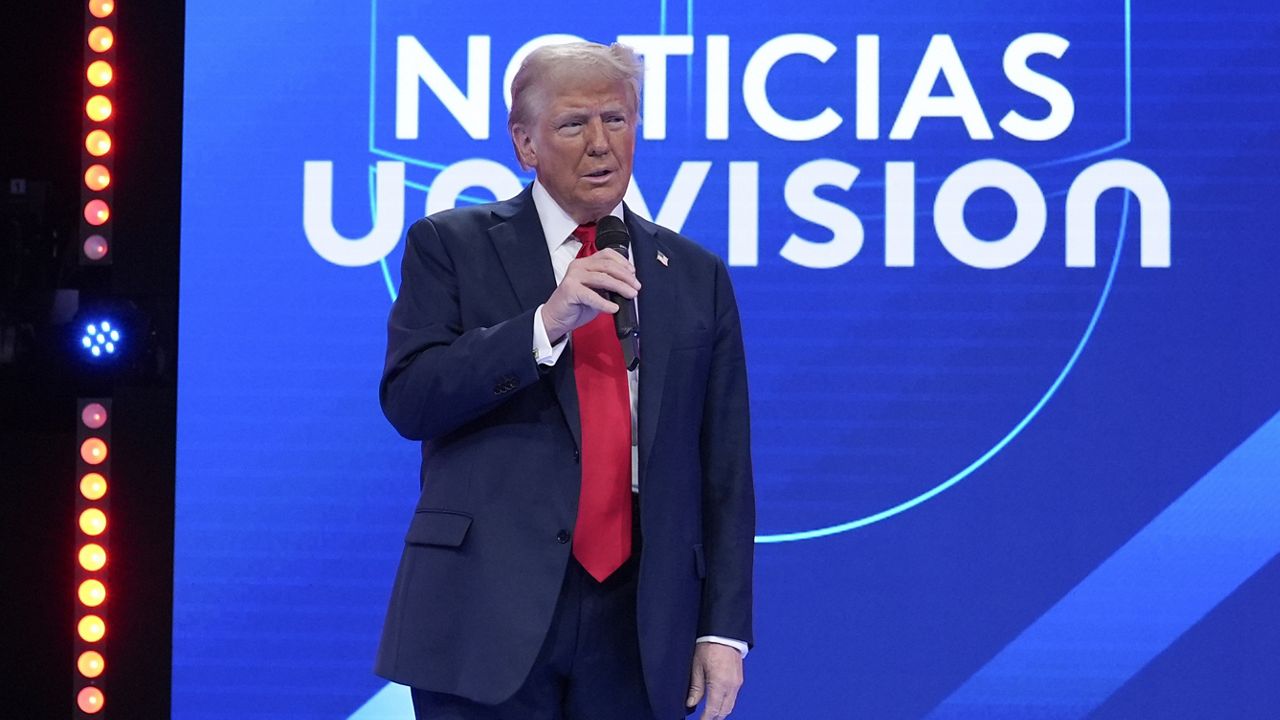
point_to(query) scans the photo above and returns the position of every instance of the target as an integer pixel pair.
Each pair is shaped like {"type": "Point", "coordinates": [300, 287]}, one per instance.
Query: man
{"type": "Point", "coordinates": [583, 543]}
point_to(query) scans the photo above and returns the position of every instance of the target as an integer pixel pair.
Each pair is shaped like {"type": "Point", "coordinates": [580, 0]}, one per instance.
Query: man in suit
{"type": "Point", "coordinates": [582, 547]}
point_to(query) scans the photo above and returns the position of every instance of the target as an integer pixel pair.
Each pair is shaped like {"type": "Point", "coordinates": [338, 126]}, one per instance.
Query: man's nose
{"type": "Point", "coordinates": [597, 141]}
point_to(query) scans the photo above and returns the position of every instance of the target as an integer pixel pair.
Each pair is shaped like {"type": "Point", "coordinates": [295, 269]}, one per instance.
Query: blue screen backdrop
{"type": "Point", "coordinates": [1010, 286]}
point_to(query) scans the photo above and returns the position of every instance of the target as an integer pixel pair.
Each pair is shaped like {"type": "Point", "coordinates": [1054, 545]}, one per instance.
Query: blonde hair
{"type": "Point", "coordinates": [550, 65]}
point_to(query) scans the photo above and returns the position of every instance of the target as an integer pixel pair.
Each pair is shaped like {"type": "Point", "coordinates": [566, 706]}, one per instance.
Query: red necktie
{"type": "Point", "coordinates": [602, 535]}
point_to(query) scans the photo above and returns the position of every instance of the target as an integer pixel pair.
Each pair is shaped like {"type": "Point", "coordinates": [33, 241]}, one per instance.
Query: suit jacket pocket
{"type": "Point", "coordinates": [445, 528]}
{"type": "Point", "coordinates": [699, 562]}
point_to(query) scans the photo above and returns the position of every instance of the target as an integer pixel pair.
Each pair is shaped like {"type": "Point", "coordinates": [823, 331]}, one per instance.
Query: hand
{"type": "Point", "coordinates": [576, 301]}
{"type": "Point", "coordinates": [717, 674]}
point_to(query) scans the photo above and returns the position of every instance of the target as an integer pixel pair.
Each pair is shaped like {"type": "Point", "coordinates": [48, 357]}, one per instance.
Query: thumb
{"type": "Point", "coordinates": [696, 686]}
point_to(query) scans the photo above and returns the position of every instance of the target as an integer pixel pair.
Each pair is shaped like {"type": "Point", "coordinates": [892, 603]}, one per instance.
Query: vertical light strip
{"type": "Point", "coordinates": [93, 552]}
{"type": "Point", "coordinates": [98, 149]}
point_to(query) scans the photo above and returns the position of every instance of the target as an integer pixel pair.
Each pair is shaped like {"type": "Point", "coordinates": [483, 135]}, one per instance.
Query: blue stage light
{"type": "Point", "coordinates": [101, 339]}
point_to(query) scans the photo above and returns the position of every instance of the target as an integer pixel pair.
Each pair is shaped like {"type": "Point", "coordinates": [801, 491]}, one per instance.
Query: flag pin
{"type": "Point", "coordinates": [662, 259]}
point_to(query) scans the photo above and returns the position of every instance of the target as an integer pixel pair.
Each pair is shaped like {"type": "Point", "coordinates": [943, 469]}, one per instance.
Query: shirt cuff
{"type": "Point", "coordinates": [735, 644]}
{"type": "Point", "coordinates": [544, 353]}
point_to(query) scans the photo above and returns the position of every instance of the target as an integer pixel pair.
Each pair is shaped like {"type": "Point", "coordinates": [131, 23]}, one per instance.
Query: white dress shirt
{"type": "Point", "coordinates": [558, 229]}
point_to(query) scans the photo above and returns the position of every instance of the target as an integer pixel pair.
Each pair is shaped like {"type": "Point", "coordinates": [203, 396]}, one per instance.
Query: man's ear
{"type": "Point", "coordinates": [522, 141]}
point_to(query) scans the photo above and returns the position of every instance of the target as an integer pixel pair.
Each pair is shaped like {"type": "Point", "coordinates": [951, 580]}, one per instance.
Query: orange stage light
{"type": "Point", "coordinates": [93, 557]}
{"type": "Point", "coordinates": [93, 486]}
{"type": "Point", "coordinates": [97, 178]}
{"type": "Point", "coordinates": [98, 143]}
{"type": "Point", "coordinates": [101, 8]}
{"type": "Point", "coordinates": [91, 628]}
{"type": "Point", "coordinates": [93, 522]}
{"type": "Point", "coordinates": [98, 108]}
{"type": "Point", "coordinates": [93, 450]}
{"type": "Point", "coordinates": [101, 39]}
{"type": "Point", "coordinates": [99, 73]}
{"type": "Point", "coordinates": [90, 663]}
{"type": "Point", "coordinates": [90, 700]}
{"type": "Point", "coordinates": [92, 592]}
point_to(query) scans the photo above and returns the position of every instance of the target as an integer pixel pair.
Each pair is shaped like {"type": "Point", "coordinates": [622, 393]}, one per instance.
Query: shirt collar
{"type": "Point", "coordinates": [557, 226]}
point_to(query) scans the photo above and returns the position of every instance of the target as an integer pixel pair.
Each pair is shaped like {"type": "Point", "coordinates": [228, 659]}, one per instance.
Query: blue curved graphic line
{"type": "Point", "coordinates": [982, 460]}
{"type": "Point", "coordinates": [1017, 429]}
{"type": "Point", "coordinates": [387, 278]}
{"type": "Point", "coordinates": [406, 159]}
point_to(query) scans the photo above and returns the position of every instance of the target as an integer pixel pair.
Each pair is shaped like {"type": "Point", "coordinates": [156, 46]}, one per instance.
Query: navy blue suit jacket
{"type": "Point", "coordinates": [486, 550]}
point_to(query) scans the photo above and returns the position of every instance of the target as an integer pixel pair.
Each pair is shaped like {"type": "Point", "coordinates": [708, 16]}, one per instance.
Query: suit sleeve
{"type": "Point", "coordinates": [728, 501]}
{"type": "Point", "coordinates": [437, 375]}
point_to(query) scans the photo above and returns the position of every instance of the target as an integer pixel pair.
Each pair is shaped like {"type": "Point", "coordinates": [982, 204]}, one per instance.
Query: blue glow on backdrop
{"type": "Point", "coordinates": [1008, 281]}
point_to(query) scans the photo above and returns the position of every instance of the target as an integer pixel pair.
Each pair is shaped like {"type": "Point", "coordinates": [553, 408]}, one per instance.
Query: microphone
{"type": "Point", "coordinates": [611, 232]}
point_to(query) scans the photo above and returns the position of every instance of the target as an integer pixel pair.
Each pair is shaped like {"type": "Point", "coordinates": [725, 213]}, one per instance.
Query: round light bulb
{"type": "Point", "coordinates": [95, 247]}
{"type": "Point", "coordinates": [93, 557]}
{"type": "Point", "coordinates": [91, 663]}
{"type": "Point", "coordinates": [93, 522]}
{"type": "Point", "coordinates": [101, 39]}
{"type": "Point", "coordinates": [97, 177]}
{"type": "Point", "coordinates": [98, 143]}
{"type": "Point", "coordinates": [90, 700]}
{"type": "Point", "coordinates": [94, 415]}
{"type": "Point", "coordinates": [92, 592]}
{"type": "Point", "coordinates": [93, 486]}
{"type": "Point", "coordinates": [96, 212]}
{"type": "Point", "coordinates": [91, 628]}
{"type": "Point", "coordinates": [98, 108]}
{"type": "Point", "coordinates": [93, 450]}
{"type": "Point", "coordinates": [101, 8]}
{"type": "Point", "coordinates": [99, 73]}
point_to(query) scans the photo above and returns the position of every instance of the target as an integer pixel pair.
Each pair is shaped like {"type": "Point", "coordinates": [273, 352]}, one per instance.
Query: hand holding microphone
{"type": "Point", "coordinates": [604, 282]}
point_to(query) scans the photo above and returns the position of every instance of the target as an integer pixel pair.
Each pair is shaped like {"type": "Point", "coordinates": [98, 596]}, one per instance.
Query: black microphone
{"type": "Point", "coordinates": [611, 232]}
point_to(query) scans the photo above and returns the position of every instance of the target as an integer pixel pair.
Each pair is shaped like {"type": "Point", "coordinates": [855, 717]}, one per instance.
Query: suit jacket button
{"type": "Point", "coordinates": [562, 537]}
{"type": "Point", "coordinates": [577, 456]}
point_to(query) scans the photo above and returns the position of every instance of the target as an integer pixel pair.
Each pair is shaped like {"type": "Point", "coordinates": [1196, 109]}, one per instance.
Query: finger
{"type": "Point", "coordinates": [596, 301]}
{"type": "Point", "coordinates": [611, 264]}
{"type": "Point", "coordinates": [593, 276]}
{"type": "Point", "coordinates": [728, 701]}
{"type": "Point", "coordinates": [624, 269]}
{"type": "Point", "coordinates": [615, 256]}
{"type": "Point", "coordinates": [604, 281]}
{"type": "Point", "coordinates": [695, 688]}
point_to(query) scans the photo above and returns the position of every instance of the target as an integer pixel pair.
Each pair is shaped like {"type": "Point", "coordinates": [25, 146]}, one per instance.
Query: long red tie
{"type": "Point", "coordinates": [602, 535]}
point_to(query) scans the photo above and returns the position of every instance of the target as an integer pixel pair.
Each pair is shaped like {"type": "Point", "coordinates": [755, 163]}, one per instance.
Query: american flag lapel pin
{"type": "Point", "coordinates": [662, 259]}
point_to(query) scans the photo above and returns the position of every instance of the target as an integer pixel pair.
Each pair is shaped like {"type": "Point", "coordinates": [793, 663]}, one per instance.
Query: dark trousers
{"type": "Point", "coordinates": [589, 665]}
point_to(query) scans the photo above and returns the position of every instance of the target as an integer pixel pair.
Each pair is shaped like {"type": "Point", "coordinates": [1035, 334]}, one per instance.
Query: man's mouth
{"type": "Point", "coordinates": [599, 173]}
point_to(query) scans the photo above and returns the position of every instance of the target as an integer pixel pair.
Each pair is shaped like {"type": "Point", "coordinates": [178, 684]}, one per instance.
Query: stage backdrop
{"type": "Point", "coordinates": [1008, 274]}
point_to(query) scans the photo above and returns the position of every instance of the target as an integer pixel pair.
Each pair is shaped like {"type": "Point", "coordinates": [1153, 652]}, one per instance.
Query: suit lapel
{"type": "Point", "coordinates": [522, 249]}
{"type": "Point", "coordinates": [657, 307]}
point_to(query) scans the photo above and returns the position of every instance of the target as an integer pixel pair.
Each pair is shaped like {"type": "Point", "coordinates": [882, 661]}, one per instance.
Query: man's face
{"type": "Point", "coordinates": [581, 145]}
